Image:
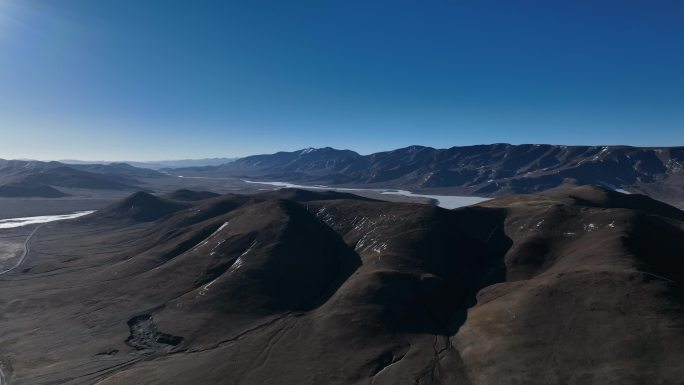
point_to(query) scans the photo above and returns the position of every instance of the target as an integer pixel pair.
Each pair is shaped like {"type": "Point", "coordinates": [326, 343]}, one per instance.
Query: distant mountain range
{"type": "Point", "coordinates": [162, 164]}
{"type": "Point", "coordinates": [484, 170]}
{"type": "Point", "coordinates": [27, 178]}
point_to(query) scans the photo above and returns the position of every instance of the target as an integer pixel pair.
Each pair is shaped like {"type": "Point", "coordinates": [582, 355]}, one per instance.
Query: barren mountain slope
{"type": "Point", "coordinates": [481, 170]}
{"type": "Point", "coordinates": [575, 286]}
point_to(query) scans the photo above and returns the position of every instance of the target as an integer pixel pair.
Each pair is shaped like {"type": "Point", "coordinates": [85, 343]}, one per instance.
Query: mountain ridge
{"type": "Point", "coordinates": [27, 178]}
{"type": "Point", "coordinates": [310, 287]}
{"type": "Point", "coordinates": [480, 170]}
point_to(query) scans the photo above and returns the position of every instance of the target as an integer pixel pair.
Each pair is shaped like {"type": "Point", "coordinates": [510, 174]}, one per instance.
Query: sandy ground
{"type": "Point", "coordinates": [12, 244]}
{"type": "Point", "coordinates": [9, 250]}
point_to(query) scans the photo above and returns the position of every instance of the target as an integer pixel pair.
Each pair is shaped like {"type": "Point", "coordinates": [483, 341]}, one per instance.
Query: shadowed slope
{"type": "Point", "coordinates": [481, 170]}
{"type": "Point", "coordinates": [190, 196]}
{"type": "Point", "coordinates": [257, 289]}
{"type": "Point", "coordinates": [139, 207]}
{"type": "Point", "coordinates": [29, 190]}
{"type": "Point", "coordinates": [592, 295]}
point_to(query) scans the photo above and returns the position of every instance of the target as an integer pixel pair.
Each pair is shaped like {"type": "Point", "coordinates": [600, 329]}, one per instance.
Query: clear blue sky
{"type": "Point", "coordinates": [144, 79]}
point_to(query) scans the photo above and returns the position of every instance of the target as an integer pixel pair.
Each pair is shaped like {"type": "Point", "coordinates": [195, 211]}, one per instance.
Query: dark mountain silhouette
{"type": "Point", "coordinates": [139, 207]}
{"type": "Point", "coordinates": [295, 164]}
{"type": "Point", "coordinates": [123, 171]}
{"type": "Point", "coordinates": [189, 195]}
{"type": "Point", "coordinates": [43, 179]}
{"type": "Point", "coordinates": [484, 170]}
{"type": "Point", "coordinates": [574, 286]}
{"type": "Point", "coordinates": [596, 196]}
{"type": "Point", "coordinates": [300, 195]}
{"type": "Point", "coordinates": [160, 164]}
{"type": "Point", "coordinates": [316, 160]}
{"type": "Point", "coordinates": [24, 189]}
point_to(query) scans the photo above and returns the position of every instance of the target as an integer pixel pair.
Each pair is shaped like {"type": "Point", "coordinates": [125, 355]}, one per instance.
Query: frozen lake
{"type": "Point", "coordinates": [18, 222]}
{"type": "Point", "coordinates": [445, 201]}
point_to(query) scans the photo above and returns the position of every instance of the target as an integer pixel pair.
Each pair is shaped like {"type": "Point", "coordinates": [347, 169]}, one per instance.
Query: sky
{"type": "Point", "coordinates": [166, 79]}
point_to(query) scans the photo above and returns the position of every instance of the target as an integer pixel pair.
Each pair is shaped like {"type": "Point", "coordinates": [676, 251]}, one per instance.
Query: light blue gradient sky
{"type": "Point", "coordinates": [162, 79]}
